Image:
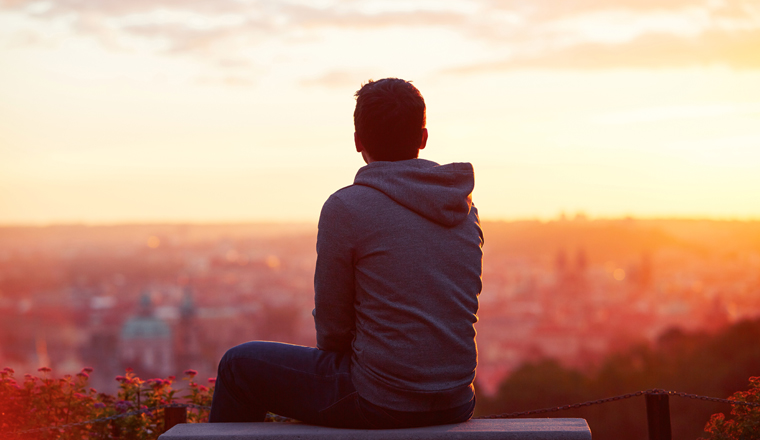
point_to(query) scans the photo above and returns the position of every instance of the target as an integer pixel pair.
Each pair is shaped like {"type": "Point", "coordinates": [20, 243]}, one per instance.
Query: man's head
{"type": "Point", "coordinates": [389, 120]}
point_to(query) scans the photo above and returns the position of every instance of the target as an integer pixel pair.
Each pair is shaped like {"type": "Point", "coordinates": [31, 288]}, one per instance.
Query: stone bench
{"type": "Point", "coordinates": [478, 429]}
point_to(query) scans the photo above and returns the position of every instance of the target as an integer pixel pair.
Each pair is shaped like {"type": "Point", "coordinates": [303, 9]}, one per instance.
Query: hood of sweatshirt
{"type": "Point", "coordinates": [441, 193]}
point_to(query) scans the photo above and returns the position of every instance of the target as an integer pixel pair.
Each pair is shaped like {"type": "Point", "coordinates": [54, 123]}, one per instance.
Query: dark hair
{"type": "Point", "coordinates": [389, 118]}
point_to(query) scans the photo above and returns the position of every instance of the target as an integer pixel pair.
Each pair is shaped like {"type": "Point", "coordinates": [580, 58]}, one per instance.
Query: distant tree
{"type": "Point", "coordinates": [697, 363]}
{"type": "Point", "coordinates": [538, 385]}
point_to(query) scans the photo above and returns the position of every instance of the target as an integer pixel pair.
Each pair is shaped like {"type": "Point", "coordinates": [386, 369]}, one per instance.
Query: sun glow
{"type": "Point", "coordinates": [176, 112]}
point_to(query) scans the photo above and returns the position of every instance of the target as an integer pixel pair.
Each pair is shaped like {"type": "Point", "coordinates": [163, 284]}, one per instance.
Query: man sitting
{"type": "Point", "coordinates": [397, 280]}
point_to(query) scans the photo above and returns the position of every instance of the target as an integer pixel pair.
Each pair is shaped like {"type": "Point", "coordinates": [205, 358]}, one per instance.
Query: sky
{"type": "Point", "coordinates": [117, 111]}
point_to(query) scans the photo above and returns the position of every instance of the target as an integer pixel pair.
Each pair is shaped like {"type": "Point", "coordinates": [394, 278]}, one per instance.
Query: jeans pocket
{"type": "Point", "coordinates": [345, 413]}
{"type": "Point", "coordinates": [380, 417]}
{"type": "Point", "coordinates": [377, 416]}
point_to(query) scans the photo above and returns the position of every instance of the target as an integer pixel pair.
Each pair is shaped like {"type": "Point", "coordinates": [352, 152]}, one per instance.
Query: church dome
{"type": "Point", "coordinates": [145, 327]}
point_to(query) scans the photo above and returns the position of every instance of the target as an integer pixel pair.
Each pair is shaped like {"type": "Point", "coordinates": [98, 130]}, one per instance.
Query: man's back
{"type": "Point", "coordinates": [396, 291]}
{"type": "Point", "coordinates": [397, 280]}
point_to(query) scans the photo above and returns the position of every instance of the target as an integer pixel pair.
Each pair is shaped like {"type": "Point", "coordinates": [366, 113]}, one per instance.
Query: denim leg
{"type": "Point", "coordinates": [289, 380]}
{"type": "Point", "coordinates": [307, 384]}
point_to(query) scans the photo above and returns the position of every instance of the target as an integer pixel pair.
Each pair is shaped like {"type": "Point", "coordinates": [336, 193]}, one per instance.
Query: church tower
{"type": "Point", "coordinates": [187, 341]}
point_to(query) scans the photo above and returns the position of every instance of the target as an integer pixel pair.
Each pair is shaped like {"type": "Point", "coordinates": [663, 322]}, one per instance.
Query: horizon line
{"type": "Point", "coordinates": [538, 219]}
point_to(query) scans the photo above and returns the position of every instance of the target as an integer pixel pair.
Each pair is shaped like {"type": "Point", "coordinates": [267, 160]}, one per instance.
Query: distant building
{"type": "Point", "coordinates": [560, 264]}
{"type": "Point", "coordinates": [581, 263]}
{"type": "Point", "coordinates": [568, 275]}
{"type": "Point", "coordinates": [187, 338]}
{"type": "Point", "coordinates": [101, 349]}
{"type": "Point", "coordinates": [146, 343]}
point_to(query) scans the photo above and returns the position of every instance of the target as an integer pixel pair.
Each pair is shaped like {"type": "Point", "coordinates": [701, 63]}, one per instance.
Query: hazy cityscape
{"type": "Point", "coordinates": [164, 298]}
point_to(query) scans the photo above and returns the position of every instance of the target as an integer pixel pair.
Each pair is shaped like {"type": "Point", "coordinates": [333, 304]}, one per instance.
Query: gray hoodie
{"type": "Point", "coordinates": [397, 282]}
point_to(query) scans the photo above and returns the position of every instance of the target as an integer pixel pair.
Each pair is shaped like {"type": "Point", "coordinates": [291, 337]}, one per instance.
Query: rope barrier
{"type": "Point", "coordinates": [564, 407]}
{"type": "Point", "coordinates": [617, 398]}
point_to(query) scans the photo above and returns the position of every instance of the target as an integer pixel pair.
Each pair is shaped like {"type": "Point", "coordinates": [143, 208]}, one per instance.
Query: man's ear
{"type": "Point", "coordinates": [424, 138]}
{"type": "Point", "coordinates": [358, 143]}
{"type": "Point", "coordinates": [360, 149]}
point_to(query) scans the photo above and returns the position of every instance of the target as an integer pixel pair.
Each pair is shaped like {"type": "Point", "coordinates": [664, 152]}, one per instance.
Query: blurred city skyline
{"type": "Point", "coordinates": [164, 298]}
{"type": "Point", "coordinates": [238, 111]}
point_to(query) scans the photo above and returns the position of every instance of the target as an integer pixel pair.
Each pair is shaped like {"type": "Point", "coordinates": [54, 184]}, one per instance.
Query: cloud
{"type": "Point", "coordinates": [560, 8]}
{"type": "Point", "coordinates": [203, 28]}
{"type": "Point", "coordinates": [593, 34]}
{"type": "Point", "coordinates": [339, 79]}
{"type": "Point", "coordinates": [738, 50]}
{"type": "Point", "coordinates": [509, 34]}
{"type": "Point", "coordinates": [183, 39]}
{"type": "Point", "coordinates": [112, 8]}
{"type": "Point", "coordinates": [546, 10]}
{"type": "Point", "coordinates": [309, 18]}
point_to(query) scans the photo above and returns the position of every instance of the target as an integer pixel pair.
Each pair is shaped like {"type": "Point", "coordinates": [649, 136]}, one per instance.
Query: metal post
{"type": "Point", "coordinates": [658, 416]}
{"type": "Point", "coordinates": [115, 430]}
{"type": "Point", "coordinates": [174, 416]}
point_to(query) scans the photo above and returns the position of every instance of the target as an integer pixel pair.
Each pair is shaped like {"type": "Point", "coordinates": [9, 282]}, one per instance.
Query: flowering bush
{"type": "Point", "coordinates": [746, 422]}
{"type": "Point", "coordinates": [42, 402]}
{"type": "Point", "coordinates": [199, 395]}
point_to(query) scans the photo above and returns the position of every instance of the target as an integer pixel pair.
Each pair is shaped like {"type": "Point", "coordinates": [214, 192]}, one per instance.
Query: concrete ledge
{"type": "Point", "coordinates": [479, 429]}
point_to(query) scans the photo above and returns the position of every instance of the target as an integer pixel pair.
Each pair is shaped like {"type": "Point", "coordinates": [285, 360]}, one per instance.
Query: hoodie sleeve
{"type": "Point", "coordinates": [334, 316]}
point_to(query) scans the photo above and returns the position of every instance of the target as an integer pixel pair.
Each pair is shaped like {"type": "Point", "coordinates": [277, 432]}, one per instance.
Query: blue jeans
{"type": "Point", "coordinates": [307, 384]}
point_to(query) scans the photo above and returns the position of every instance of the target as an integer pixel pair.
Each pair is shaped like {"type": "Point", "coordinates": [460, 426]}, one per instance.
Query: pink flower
{"type": "Point", "coordinates": [212, 380]}
{"type": "Point", "coordinates": [87, 370]}
{"type": "Point", "coordinates": [202, 389]}
{"type": "Point", "coordinates": [129, 369]}
{"type": "Point", "coordinates": [122, 406]}
{"type": "Point", "coordinates": [157, 383]}
{"type": "Point", "coordinates": [121, 378]}
{"type": "Point", "coordinates": [191, 373]}
{"type": "Point", "coordinates": [9, 370]}
{"type": "Point", "coordinates": [170, 378]}
{"type": "Point", "coordinates": [83, 374]}
{"type": "Point", "coordinates": [44, 369]}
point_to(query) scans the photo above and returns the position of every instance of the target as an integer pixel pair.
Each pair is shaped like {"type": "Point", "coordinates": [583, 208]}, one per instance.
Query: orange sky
{"type": "Point", "coordinates": [188, 110]}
